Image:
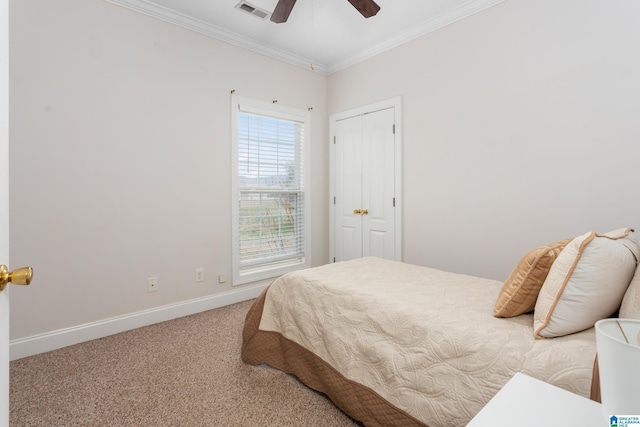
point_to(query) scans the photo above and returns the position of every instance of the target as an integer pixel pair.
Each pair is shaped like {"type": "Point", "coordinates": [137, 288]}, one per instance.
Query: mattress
{"type": "Point", "coordinates": [397, 344]}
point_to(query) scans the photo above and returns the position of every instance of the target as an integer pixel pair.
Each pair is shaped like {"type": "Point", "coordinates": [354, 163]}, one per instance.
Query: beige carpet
{"type": "Point", "coordinates": [185, 372]}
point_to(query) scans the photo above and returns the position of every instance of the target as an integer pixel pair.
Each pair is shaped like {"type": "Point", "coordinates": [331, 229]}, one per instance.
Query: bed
{"type": "Point", "coordinates": [394, 344]}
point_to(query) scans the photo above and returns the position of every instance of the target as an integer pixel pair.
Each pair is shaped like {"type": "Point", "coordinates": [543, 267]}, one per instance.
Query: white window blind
{"type": "Point", "coordinates": [271, 231]}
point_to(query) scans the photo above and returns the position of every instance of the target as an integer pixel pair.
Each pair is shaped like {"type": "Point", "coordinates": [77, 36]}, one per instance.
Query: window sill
{"type": "Point", "coordinates": [250, 275]}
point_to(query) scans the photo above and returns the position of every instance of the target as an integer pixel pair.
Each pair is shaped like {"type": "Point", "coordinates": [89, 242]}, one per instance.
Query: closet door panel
{"type": "Point", "coordinates": [378, 189]}
{"type": "Point", "coordinates": [348, 193]}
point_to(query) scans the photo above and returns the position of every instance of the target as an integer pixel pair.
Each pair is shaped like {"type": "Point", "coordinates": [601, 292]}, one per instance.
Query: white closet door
{"type": "Point", "coordinates": [378, 177]}
{"type": "Point", "coordinates": [348, 193]}
{"type": "Point", "coordinates": [364, 212]}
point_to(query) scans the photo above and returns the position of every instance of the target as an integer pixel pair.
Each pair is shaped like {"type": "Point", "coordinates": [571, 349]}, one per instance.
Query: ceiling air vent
{"type": "Point", "coordinates": [251, 9]}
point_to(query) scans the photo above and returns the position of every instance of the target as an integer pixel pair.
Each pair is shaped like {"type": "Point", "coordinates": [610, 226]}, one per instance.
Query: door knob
{"type": "Point", "coordinates": [365, 212]}
{"type": "Point", "coordinates": [20, 276]}
{"type": "Point", "coordinates": [357, 211]}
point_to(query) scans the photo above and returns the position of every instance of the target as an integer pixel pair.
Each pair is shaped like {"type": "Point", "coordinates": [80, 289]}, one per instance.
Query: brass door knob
{"type": "Point", "coordinates": [357, 211]}
{"type": "Point", "coordinates": [20, 276]}
{"type": "Point", "coordinates": [365, 212]}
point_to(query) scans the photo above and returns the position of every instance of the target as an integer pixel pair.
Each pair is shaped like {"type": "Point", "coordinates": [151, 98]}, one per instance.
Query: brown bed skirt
{"type": "Point", "coordinates": [358, 401]}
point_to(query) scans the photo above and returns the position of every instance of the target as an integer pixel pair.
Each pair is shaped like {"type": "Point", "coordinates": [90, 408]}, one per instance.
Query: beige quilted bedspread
{"type": "Point", "coordinates": [423, 339]}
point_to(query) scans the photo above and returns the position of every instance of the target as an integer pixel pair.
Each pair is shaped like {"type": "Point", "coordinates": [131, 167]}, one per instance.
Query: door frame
{"type": "Point", "coordinates": [396, 104]}
{"type": "Point", "coordinates": [4, 214]}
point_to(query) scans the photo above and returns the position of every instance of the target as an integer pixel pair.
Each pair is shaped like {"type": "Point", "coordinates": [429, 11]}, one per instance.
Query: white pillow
{"type": "Point", "coordinates": [630, 308]}
{"type": "Point", "coordinates": [586, 283]}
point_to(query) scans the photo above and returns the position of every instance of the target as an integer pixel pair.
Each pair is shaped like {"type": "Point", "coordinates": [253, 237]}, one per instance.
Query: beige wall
{"type": "Point", "coordinates": [520, 128]}
{"type": "Point", "coordinates": [120, 158]}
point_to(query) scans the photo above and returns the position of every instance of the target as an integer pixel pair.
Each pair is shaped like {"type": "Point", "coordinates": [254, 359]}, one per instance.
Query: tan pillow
{"type": "Point", "coordinates": [586, 283]}
{"type": "Point", "coordinates": [630, 308]}
{"type": "Point", "coordinates": [520, 291]}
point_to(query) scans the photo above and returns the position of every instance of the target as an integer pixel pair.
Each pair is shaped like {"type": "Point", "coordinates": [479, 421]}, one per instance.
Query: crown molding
{"type": "Point", "coordinates": [168, 15]}
{"type": "Point", "coordinates": [449, 17]}
{"type": "Point", "coordinates": [165, 14]}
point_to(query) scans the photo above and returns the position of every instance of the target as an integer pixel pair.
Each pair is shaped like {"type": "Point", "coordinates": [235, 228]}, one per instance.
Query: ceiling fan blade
{"type": "Point", "coordinates": [367, 8]}
{"type": "Point", "coordinates": [282, 10]}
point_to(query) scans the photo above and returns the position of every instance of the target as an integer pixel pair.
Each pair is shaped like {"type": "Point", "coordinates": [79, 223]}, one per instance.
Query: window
{"type": "Point", "coordinates": [270, 190]}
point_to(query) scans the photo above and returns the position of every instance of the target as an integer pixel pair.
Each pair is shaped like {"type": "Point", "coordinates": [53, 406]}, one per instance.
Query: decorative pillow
{"type": "Point", "coordinates": [630, 308]}
{"type": "Point", "coordinates": [520, 291]}
{"type": "Point", "coordinates": [586, 283]}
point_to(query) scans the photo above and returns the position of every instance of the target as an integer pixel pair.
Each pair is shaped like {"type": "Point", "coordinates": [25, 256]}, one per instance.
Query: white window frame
{"type": "Point", "coordinates": [243, 275]}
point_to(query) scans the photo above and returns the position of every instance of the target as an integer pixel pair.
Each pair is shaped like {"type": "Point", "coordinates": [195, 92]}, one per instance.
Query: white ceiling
{"type": "Point", "coordinates": [331, 34]}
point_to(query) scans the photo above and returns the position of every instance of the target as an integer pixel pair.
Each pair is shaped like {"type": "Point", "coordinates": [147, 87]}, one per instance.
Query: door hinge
{"type": "Point", "coordinates": [334, 200]}
{"type": "Point", "coordinates": [394, 129]}
{"type": "Point", "coordinates": [334, 259]}
{"type": "Point", "coordinates": [394, 202]}
{"type": "Point", "coordinates": [334, 139]}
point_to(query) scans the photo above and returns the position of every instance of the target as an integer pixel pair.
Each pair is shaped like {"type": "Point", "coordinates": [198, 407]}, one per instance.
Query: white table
{"type": "Point", "coordinates": [528, 402]}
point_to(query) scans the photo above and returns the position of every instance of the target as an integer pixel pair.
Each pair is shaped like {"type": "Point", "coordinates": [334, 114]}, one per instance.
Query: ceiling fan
{"type": "Point", "coordinates": [367, 8]}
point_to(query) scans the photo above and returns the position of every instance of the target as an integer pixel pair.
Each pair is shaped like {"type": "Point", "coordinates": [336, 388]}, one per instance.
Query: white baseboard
{"type": "Point", "coordinates": [42, 343]}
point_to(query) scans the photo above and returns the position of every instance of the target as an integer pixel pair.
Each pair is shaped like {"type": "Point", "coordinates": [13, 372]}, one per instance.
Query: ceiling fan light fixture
{"type": "Point", "coordinates": [247, 7]}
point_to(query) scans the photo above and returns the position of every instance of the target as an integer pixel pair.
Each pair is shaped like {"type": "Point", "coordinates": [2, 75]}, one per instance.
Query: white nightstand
{"type": "Point", "coordinates": [526, 401]}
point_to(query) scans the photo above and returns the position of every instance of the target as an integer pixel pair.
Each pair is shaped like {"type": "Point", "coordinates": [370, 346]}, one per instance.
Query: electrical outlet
{"type": "Point", "coordinates": [199, 275]}
{"type": "Point", "coordinates": [152, 284]}
{"type": "Point", "coordinates": [222, 278]}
